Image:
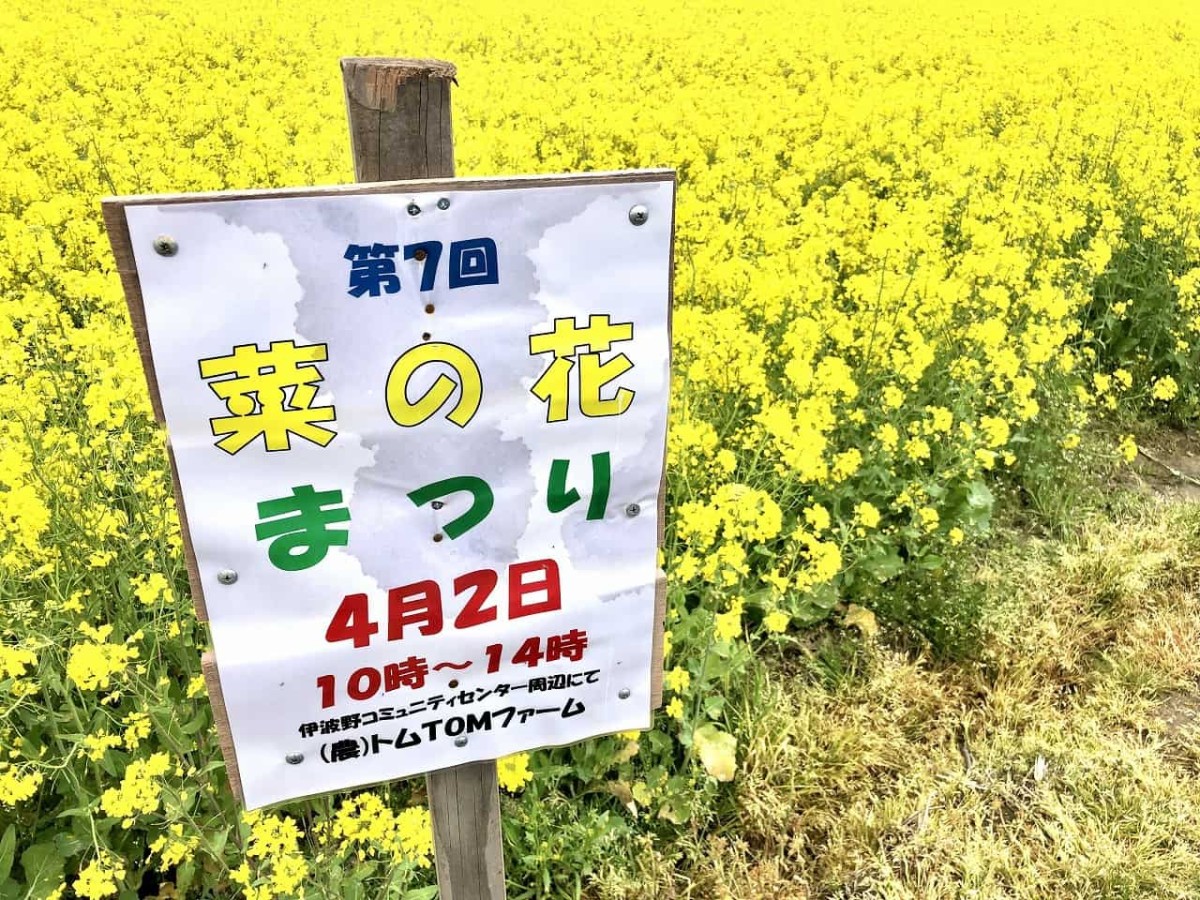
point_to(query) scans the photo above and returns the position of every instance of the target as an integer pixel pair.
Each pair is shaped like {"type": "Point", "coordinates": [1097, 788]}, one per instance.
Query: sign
{"type": "Point", "coordinates": [419, 435]}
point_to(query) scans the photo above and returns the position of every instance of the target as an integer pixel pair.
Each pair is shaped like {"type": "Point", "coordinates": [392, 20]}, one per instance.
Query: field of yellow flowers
{"type": "Point", "coordinates": [921, 245]}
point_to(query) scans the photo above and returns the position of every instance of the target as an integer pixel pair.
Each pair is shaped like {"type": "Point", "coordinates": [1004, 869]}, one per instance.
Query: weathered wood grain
{"type": "Point", "coordinates": [465, 804]}
{"type": "Point", "coordinates": [212, 679]}
{"type": "Point", "coordinates": [399, 112]}
{"type": "Point", "coordinates": [656, 648]}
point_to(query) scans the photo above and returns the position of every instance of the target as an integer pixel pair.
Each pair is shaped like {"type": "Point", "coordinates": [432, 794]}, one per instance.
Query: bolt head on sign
{"type": "Point", "coordinates": [420, 440]}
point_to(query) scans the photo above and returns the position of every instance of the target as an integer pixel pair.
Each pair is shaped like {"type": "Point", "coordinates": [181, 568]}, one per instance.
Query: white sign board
{"type": "Point", "coordinates": [419, 435]}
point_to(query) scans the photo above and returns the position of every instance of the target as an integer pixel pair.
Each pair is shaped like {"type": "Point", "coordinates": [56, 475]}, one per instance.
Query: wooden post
{"type": "Point", "coordinates": [399, 112]}
{"type": "Point", "coordinates": [465, 803]}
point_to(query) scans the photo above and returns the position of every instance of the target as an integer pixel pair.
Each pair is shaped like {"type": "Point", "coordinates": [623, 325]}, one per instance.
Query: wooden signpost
{"type": "Point", "coordinates": [390, 590]}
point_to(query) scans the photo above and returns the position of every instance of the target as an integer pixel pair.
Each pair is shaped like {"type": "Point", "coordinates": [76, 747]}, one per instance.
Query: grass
{"type": "Point", "coordinates": [1058, 760]}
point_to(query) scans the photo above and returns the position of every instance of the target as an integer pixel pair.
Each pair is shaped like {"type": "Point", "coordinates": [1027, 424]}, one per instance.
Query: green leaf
{"type": "Point", "coordinates": [817, 603]}
{"type": "Point", "coordinates": [883, 564]}
{"type": "Point", "coordinates": [659, 742]}
{"type": "Point", "coordinates": [185, 873]}
{"type": "Point", "coordinates": [170, 729]}
{"type": "Point", "coordinates": [979, 496]}
{"type": "Point", "coordinates": [823, 596]}
{"type": "Point", "coordinates": [977, 510]}
{"type": "Point", "coordinates": [425, 893]}
{"type": "Point", "coordinates": [78, 839]}
{"type": "Point", "coordinates": [43, 867]}
{"type": "Point", "coordinates": [760, 597]}
{"type": "Point", "coordinates": [198, 722]}
{"type": "Point", "coordinates": [8, 846]}
{"type": "Point", "coordinates": [108, 764]}
{"type": "Point", "coordinates": [718, 664]}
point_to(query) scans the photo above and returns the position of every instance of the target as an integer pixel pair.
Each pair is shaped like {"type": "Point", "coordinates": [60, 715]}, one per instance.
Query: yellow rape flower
{"type": "Point", "coordinates": [513, 772]}
{"type": "Point", "coordinates": [1128, 448]}
{"type": "Point", "coordinates": [91, 666]}
{"type": "Point", "coordinates": [16, 784]}
{"type": "Point", "coordinates": [845, 464]}
{"type": "Point", "coordinates": [139, 791]}
{"type": "Point", "coordinates": [817, 516]}
{"type": "Point", "coordinates": [96, 744]}
{"type": "Point", "coordinates": [776, 621]}
{"type": "Point", "coordinates": [677, 680]}
{"type": "Point", "coordinates": [173, 847]}
{"type": "Point", "coordinates": [1164, 389]}
{"type": "Point", "coordinates": [149, 589]}
{"type": "Point", "coordinates": [280, 867]}
{"type": "Point", "coordinates": [940, 419]}
{"type": "Point", "coordinates": [15, 660]}
{"type": "Point", "coordinates": [196, 686]}
{"type": "Point", "coordinates": [728, 625]}
{"type": "Point", "coordinates": [866, 515]}
{"type": "Point", "coordinates": [137, 728]}
{"type": "Point", "coordinates": [916, 449]}
{"type": "Point", "coordinates": [995, 430]}
{"type": "Point", "coordinates": [367, 827]}
{"type": "Point", "coordinates": [101, 877]}
{"type": "Point", "coordinates": [888, 436]}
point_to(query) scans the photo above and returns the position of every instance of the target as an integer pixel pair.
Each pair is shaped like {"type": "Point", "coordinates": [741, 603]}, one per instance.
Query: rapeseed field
{"type": "Point", "coordinates": [923, 247]}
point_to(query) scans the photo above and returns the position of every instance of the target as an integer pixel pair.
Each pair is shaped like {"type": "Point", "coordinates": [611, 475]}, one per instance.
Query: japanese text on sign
{"type": "Point", "coordinates": [422, 444]}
